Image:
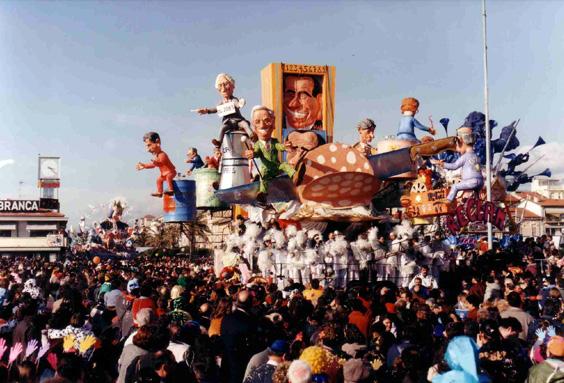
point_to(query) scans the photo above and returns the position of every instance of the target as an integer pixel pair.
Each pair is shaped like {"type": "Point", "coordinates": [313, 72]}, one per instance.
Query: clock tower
{"type": "Point", "coordinates": [49, 181]}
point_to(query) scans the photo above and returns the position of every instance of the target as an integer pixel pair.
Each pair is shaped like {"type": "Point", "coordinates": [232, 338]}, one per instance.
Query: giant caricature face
{"type": "Point", "coordinates": [366, 135]}
{"type": "Point", "coordinates": [225, 88]}
{"type": "Point", "coordinates": [152, 147]}
{"type": "Point", "coordinates": [263, 123]}
{"type": "Point", "coordinates": [301, 107]}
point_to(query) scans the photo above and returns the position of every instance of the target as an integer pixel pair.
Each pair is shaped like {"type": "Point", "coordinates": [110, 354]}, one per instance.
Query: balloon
{"type": "Point", "coordinates": [444, 122]}
{"type": "Point", "coordinates": [96, 260]}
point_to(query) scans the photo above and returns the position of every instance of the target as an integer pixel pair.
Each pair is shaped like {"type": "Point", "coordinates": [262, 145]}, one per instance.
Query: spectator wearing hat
{"type": "Point", "coordinates": [462, 358]}
{"type": "Point", "coordinates": [256, 361]}
{"type": "Point", "coordinates": [552, 369]}
{"type": "Point", "coordinates": [263, 373]}
{"type": "Point", "coordinates": [113, 299]}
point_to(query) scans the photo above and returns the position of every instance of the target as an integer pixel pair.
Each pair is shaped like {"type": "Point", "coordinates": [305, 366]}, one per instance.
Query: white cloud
{"type": "Point", "coordinates": [7, 162]}
{"type": "Point", "coordinates": [552, 157]}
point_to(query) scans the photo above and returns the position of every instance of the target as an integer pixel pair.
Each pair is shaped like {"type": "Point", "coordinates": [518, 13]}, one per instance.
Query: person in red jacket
{"type": "Point", "coordinates": [143, 302]}
{"type": "Point", "coordinates": [160, 159]}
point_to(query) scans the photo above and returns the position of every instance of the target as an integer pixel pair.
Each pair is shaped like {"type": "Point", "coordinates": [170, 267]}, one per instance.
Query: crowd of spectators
{"type": "Point", "coordinates": [490, 316]}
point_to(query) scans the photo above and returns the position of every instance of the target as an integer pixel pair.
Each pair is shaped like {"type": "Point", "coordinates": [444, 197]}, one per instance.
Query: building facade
{"type": "Point", "coordinates": [27, 229]}
{"type": "Point", "coordinates": [548, 187]}
{"type": "Point", "coordinates": [537, 215]}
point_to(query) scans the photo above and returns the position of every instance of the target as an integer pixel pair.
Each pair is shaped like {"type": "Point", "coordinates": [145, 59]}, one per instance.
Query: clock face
{"type": "Point", "coordinates": [49, 168]}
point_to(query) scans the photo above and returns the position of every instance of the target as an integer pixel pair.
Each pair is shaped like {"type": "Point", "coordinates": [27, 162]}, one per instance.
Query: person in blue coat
{"type": "Point", "coordinates": [462, 358]}
{"type": "Point", "coordinates": [408, 123]}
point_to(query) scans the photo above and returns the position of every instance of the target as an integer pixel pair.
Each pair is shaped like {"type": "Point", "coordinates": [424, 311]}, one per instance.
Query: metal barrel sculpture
{"type": "Point", "coordinates": [181, 207]}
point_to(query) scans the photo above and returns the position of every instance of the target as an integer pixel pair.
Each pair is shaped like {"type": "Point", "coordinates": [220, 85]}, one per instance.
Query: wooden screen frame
{"type": "Point", "coordinates": [272, 83]}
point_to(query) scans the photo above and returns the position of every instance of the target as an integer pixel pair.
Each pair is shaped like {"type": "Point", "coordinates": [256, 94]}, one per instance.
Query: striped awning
{"type": "Point", "coordinates": [41, 227]}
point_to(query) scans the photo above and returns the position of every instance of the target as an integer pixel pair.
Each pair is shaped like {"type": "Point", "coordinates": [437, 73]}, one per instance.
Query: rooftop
{"type": "Point", "coordinates": [552, 203]}
{"type": "Point", "coordinates": [525, 213]}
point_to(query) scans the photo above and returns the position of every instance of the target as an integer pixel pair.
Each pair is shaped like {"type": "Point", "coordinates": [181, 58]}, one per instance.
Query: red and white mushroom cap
{"type": "Point", "coordinates": [339, 176]}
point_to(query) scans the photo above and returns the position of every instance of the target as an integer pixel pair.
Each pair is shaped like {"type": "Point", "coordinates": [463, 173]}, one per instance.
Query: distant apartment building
{"type": "Point", "coordinates": [540, 211]}
{"type": "Point", "coordinates": [548, 187]}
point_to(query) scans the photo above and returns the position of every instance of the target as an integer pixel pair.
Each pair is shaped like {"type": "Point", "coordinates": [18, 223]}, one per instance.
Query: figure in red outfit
{"type": "Point", "coordinates": [160, 160]}
{"type": "Point", "coordinates": [212, 162]}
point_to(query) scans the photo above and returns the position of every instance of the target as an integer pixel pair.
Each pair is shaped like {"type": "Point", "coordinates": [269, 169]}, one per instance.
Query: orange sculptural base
{"type": "Point", "coordinates": [429, 203]}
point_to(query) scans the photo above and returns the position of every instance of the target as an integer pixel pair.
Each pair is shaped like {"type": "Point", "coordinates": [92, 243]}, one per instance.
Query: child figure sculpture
{"type": "Point", "coordinates": [266, 149]}
{"type": "Point", "coordinates": [471, 178]}
{"type": "Point", "coordinates": [228, 109]}
{"type": "Point", "coordinates": [408, 123]}
{"type": "Point", "coordinates": [160, 160]}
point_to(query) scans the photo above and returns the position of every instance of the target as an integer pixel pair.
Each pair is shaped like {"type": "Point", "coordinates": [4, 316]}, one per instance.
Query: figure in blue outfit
{"type": "Point", "coordinates": [408, 123]}
{"type": "Point", "coordinates": [471, 178]}
{"type": "Point", "coordinates": [193, 160]}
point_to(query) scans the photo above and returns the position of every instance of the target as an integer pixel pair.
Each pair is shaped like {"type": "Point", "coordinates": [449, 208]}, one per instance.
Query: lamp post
{"type": "Point", "coordinates": [487, 113]}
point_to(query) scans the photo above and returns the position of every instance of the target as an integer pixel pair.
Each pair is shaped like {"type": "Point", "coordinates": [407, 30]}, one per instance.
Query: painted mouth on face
{"type": "Point", "coordinates": [263, 131]}
{"type": "Point", "coordinates": [297, 115]}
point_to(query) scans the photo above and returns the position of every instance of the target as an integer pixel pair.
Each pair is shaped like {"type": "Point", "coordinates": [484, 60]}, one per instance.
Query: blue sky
{"type": "Point", "coordinates": [84, 80]}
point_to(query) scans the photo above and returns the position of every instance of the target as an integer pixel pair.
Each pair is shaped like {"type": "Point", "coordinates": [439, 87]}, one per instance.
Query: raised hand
{"type": "Point", "coordinates": [32, 345]}
{"type": "Point", "coordinates": [86, 343]}
{"type": "Point", "coordinates": [3, 347]}
{"type": "Point", "coordinates": [249, 154]}
{"type": "Point", "coordinates": [15, 351]}
{"type": "Point", "coordinates": [44, 348]}
{"type": "Point", "coordinates": [376, 364]}
{"type": "Point", "coordinates": [68, 342]}
{"type": "Point", "coordinates": [540, 333]}
{"type": "Point", "coordinates": [551, 331]}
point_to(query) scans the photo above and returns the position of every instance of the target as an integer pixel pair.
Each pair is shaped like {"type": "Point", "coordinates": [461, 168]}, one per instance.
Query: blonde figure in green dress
{"type": "Point", "coordinates": [266, 149]}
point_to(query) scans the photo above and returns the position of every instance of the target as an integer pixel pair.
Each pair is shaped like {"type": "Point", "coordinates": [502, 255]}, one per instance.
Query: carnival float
{"type": "Point", "coordinates": [283, 163]}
